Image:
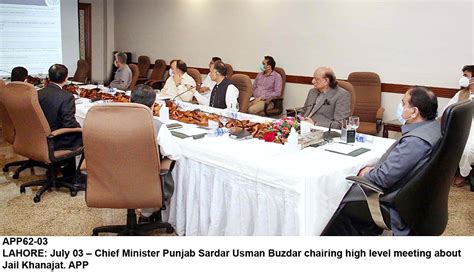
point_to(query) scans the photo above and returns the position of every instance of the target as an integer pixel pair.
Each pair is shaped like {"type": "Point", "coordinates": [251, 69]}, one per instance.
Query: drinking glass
{"type": "Point", "coordinates": [354, 122]}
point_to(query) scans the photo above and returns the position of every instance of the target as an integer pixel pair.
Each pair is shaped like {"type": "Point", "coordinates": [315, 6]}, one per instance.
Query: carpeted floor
{"type": "Point", "coordinates": [60, 214]}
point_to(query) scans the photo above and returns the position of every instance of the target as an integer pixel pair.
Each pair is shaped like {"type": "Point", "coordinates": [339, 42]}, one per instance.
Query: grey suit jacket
{"type": "Point", "coordinates": [335, 104]}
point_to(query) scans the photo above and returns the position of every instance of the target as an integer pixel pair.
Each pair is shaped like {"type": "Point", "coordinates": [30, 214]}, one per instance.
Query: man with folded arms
{"type": "Point", "coordinates": [123, 75]}
{"type": "Point", "coordinates": [326, 103]}
{"type": "Point", "coordinates": [224, 95]}
{"type": "Point", "coordinates": [179, 84]}
{"type": "Point", "coordinates": [168, 148]}
{"type": "Point", "coordinates": [59, 109]}
{"type": "Point", "coordinates": [266, 85]}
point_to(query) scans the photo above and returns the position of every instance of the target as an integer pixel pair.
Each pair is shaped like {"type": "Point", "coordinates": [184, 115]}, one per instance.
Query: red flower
{"type": "Point", "coordinates": [285, 130]}
{"type": "Point", "coordinates": [269, 136]}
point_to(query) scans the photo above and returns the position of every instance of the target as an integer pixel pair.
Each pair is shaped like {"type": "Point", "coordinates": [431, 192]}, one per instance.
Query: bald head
{"type": "Point", "coordinates": [324, 79]}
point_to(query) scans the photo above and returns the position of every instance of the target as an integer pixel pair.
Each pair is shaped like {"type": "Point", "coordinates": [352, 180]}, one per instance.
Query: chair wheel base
{"type": "Point", "coordinates": [22, 190]}
{"type": "Point", "coordinates": [36, 199]}
{"type": "Point", "coordinates": [5, 169]}
{"type": "Point", "coordinates": [73, 193]}
{"type": "Point", "coordinates": [16, 176]}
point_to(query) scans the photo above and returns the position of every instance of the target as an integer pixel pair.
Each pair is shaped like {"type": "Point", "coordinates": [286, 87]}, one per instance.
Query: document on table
{"type": "Point", "coordinates": [345, 149]}
{"type": "Point", "coordinates": [187, 131]}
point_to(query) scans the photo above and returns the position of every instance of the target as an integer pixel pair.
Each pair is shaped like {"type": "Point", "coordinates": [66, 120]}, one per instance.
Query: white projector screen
{"type": "Point", "coordinates": [38, 33]}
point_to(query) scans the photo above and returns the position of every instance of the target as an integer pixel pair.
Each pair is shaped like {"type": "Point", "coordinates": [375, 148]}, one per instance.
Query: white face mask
{"type": "Point", "coordinates": [399, 114]}
{"type": "Point", "coordinates": [463, 82]}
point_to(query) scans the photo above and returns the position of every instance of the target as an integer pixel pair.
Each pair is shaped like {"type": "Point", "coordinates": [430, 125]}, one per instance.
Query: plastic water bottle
{"type": "Point", "coordinates": [164, 114]}
{"type": "Point", "coordinates": [292, 142]}
{"type": "Point", "coordinates": [217, 132]}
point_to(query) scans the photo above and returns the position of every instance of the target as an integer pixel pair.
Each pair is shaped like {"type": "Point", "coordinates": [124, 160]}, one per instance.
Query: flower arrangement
{"type": "Point", "coordinates": [279, 130]}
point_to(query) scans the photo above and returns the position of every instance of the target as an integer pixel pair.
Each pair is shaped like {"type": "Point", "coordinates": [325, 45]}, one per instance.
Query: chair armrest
{"type": "Point", "coordinates": [277, 103]}
{"type": "Point", "coordinates": [372, 194]}
{"type": "Point", "coordinates": [366, 184]}
{"type": "Point", "coordinates": [59, 132]}
{"type": "Point", "coordinates": [379, 117]}
{"type": "Point", "coordinates": [63, 131]}
{"type": "Point", "coordinates": [166, 166]}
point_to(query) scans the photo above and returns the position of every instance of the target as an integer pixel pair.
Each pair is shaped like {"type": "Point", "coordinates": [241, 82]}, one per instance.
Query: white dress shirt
{"type": "Point", "coordinates": [167, 143]}
{"type": "Point", "coordinates": [171, 89]}
{"type": "Point", "coordinates": [230, 98]}
{"type": "Point", "coordinates": [207, 82]}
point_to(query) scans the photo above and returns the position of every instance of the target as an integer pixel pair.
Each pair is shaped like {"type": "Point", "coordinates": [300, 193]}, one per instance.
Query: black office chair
{"type": "Point", "coordinates": [422, 201]}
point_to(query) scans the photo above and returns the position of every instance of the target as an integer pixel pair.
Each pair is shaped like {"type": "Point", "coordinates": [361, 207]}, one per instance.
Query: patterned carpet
{"type": "Point", "coordinates": [60, 214]}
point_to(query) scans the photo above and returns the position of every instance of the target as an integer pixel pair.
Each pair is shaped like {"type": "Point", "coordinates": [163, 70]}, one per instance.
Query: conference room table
{"type": "Point", "coordinates": [225, 186]}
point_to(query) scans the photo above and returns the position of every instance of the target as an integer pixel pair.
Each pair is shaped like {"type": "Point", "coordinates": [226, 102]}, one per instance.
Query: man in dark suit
{"type": "Point", "coordinates": [326, 102]}
{"type": "Point", "coordinates": [59, 108]}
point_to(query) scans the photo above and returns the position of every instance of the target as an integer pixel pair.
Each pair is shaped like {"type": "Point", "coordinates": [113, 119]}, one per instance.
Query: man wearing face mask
{"type": "Point", "coordinates": [179, 84]}
{"type": "Point", "coordinates": [266, 85]}
{"type": "Point", "coordinates": [420, 134]}
{"type": "Point", "coordinates": [466, 92]}
{"type": "Point", "coordinates": [123, 75]}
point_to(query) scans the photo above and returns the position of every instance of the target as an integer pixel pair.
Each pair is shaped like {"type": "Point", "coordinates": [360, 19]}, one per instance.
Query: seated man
{"type": "Point", "coordinates": [19, 74]}
{"type": "Point", "coordinates": [208, 84]}
{"type": "Point", "coordinates": [267, 84]}
{"type": "Point", "coordinates": [224, 95]}
{"type": "Point", "coordinates": [326, 102]}
{"type": "Point", "coordinates": [466, 93]}
{"type": "Point", "coordinates": [420, 134]}
{"type": "Point", "coordinates": [179, 84]}
{"type": "Point", "coordinates": [168, 148]}
{"type": "Point", "coordinates": [59, 109]}
{"type": "Point", "coordinates": [123, 75]}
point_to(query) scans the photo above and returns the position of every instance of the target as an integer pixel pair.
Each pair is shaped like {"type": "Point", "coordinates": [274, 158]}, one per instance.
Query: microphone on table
{"type": "Point", "coordinates": [187, 90]}
{"type": "Point", "coordinates": [331, 134]}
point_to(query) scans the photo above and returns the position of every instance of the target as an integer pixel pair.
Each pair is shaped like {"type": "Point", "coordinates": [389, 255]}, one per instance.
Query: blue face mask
{"type": "Point", "coordinates": [399, 114]}
{"type": "Point", "coordinates": [261, 67]}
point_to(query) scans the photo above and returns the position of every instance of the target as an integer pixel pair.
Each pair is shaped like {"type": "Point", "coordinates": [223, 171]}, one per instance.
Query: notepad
{"type": "Point", "coordinates": [186, 132]}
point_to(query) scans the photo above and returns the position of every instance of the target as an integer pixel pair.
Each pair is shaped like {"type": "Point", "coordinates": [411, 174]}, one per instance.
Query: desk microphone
{"type": "Point", "coordinates": [189, 89]}
{"type": "Point", "coordinates": [331, 134]}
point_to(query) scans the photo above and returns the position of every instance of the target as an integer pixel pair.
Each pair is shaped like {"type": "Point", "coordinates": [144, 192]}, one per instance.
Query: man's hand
{"type": "Point", "coordinates": [365, 170]}
{"type": "Point", "coordinates": [309, 120]}
{"type": "Point", "coordinates": [177, 79]}
{"type": "Point", "coordinates": [204, 90]}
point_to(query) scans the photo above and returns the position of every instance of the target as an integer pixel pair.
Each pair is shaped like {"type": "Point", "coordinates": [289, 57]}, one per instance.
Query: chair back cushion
{"type": "Point", "coordinates": [81, 72]}
{"type": "Point", "coordinates": [194, 73]}
{"type": "Point", "coordinates": [368, 91]}
{"type": "Point", "coordinates": [244, 85]}
{"type": "Point", "coordinates": [7, 126]}
{"type": "Point", "coordinates": [135, 74]}
{"type": "Point", "coordinates": [423, 201]}
{"type": "Point", "coordinates": [122, 157]}
{"type": "Point", "coordinates": [348, 87]}
{"type": "Point", "coordinates": [31, 127]}
{"type": "Point", "coordinates": [282, 73]}
{"type": "Point", "coordinates": [159, 70]}
{"type": "Point", "coordinates": [230, 70]}
{"type": "Point", "coordinates": [143, 65]}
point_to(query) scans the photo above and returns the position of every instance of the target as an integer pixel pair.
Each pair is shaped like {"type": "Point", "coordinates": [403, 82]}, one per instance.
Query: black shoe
{"type": "Point", "coordinates": [80, 182]}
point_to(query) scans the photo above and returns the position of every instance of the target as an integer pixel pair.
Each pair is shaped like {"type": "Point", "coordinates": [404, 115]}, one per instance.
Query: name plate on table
{"type": "Point", "coordinates": [312, 138]}
{"type": "Point", "coordinates": [345, 149]}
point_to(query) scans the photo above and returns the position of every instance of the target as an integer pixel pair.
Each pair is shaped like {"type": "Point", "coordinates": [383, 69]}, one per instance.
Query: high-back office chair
{"type": "Point", "coordinates": [82, 71]}
{"type": "Point", "coordinates": [135, 74]}
{"type": "Point", "coordinates": [8, 132]}
{"type": "Point", "coordinates": [277, 101]}
{"type": "Point", "coordinates": [157, 75]}
{"type": "Point", "coordinates": [123, 164]}
{"type": "Point", "coordinates": [230, 70]}
{"type": "Point", "coordinates": [421, 201]}
{"type": "Point", "coordinates": [244, 85]}
{"type": "Point", "coordinates": [143, 66]}
{"type": "Point", "coordinates": [194, 73]}
{"type": "Point", "coordinates": [348, 87]}
{"type": "Point", "coordinates": [34, 138]}
{"type": "Point", "coordinates": [368, 90]}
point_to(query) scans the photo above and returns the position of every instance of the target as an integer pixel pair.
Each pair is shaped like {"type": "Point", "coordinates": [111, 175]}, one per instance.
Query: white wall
{"type": "Point", "coordinates": [405, 42]}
